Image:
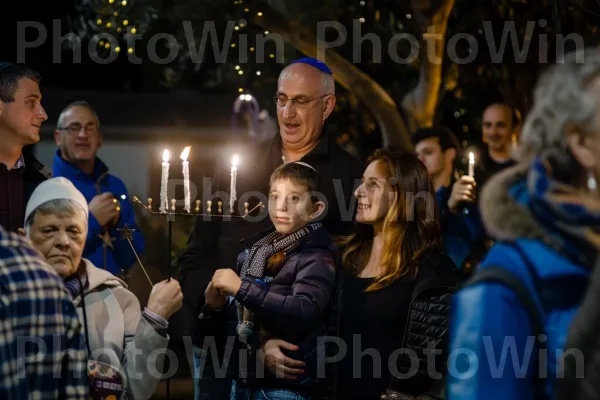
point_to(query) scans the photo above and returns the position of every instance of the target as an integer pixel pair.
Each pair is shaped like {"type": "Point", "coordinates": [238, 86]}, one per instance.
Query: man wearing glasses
{"type": "Point", "coordinates": [21, 116]}
{"type": "Point", "coordinates": [78, 138]}
{"type": "Point", "coordinates": [305, 98]}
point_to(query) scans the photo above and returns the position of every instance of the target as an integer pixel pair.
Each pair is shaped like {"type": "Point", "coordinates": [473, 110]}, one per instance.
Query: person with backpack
{"type": "Point", "coordinates": [509, 323]}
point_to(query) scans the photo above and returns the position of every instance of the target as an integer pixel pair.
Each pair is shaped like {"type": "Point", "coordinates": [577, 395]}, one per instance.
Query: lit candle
{"type": "Point", "coordinates": [235, 161]}
{"type": "Point", "coordinates": [471, 164]}
{"type": "Point", "coordinates": [186, 178]}
{"type": "Point", "coordinates": [164, 201]}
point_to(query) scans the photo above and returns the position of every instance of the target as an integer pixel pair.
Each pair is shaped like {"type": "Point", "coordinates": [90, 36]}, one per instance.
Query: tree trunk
{"type": "Point", "coordinates": [423, 100]}
{"type": "Point", "coordinates": [383, 108]}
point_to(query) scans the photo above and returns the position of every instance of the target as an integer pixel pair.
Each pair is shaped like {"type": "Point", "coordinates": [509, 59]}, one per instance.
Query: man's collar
{"type": "Point", "coordinates": [20, 162]}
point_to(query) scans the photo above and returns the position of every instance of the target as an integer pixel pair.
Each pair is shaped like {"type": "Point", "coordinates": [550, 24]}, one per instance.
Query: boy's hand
{"type": "Point", "coordinates": [227, 281]}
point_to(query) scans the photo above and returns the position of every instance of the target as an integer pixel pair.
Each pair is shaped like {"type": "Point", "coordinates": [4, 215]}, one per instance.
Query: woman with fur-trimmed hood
{"type": "Point", "coordinates": [545, 215]}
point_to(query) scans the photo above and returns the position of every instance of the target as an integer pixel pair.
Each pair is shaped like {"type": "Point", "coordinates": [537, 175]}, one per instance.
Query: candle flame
{"type": "Point", "coordinates": [185, 153]}
{"type": "Point", "coordinates": [166, 155]}
{"type": "Point", "coordinates": [471, 158]}
{"type": "Point", "coordinates": [235, 161]}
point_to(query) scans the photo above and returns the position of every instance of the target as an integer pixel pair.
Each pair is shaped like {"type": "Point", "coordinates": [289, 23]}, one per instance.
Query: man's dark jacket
{"type": "Point", "coordinates": [16, 187]}
{"type": "Point", "coordinates": [215, 243]}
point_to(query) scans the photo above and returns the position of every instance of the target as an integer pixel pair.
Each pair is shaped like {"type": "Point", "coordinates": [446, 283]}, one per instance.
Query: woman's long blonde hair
{"type": "Point", "coordinates": [411, 229]}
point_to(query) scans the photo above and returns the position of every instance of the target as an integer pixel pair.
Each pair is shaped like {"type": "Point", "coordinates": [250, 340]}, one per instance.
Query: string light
{"type": "Point", "coordinates": [266, 32]}
{"type": "Point", "coordinates": [241, 90]}
{"type": "Point", "coordinates": [362, 3]}
{"type": "Point", "coordinates": [108, 24]}
{"type": "Point", "coordinates": [241, 72]}
{"type": "Point", "coordinates": [107, 46]}
{"type": "Point", "coordinates": [232, 44]}
{"type": "Point", "coordinates": [237, 67]}
{"type": "Point", "coordinates": [124, 3]}
{"type": "Point", "coordinates": [117, 49]}
{"type": "Point", "coordinates": [133, 30]}
{"type": "Point", "coordinates": [408, 16]}
{"type": "Point", "coordinates": [272, 55]}
{"type": "Point", "coordinates": [119, 30]}
{"type": "Point", "coordinates": [258, 73]}
{"type": "Point", "coordinates": [251, 48]}
{"type": "Point", "coordinates": [116, 14]}
{"type": "Point", "coordinates": [237, 28]}
{"type": "Point", "coordinates": [111, 1]}
{"type": "Point", "coordinates": [259, 14]}
{"type": "Point", "coordinates": [130, 50]}
{"type": "Point", "coordinates": [101, 43]}
{"type": "Point", "coordinates": [246, 9]}
{"type": "Point", "coordinates": [125, 22]}
{"type": "Point", "coordinates": [362, 20]}
{"type": "Point", "coordinates": [99, 22]}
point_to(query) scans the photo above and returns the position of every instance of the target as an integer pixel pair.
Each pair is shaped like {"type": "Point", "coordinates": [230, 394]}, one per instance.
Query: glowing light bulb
{"type": "Point", "coordinates": [99, 21]}
{"type": "Point", "coordinates": [125, 22]}
{"type": "Point", "coordinates": [123, 3]}
{"type": "Point", "coordinates": [133, 30]}
{"type": "Point", "coordinates": [258, 73]}
{"type": "Point", "coordinates": [241, 72]}
{"type": "Point", "coordinates": [107, 46]}
{"type": "Point", "coordinates": [117, 49]}
{"type": "Point", "coordinates": [130, 50]}
{"type": "Point", "coordinates": [240, 90]}
{"type": "Point", "coordinates": [259, 14]}
{"type": "Point", "coordinates": [108, 24]}
{"type": "Point", "coordinates": [237, 67]}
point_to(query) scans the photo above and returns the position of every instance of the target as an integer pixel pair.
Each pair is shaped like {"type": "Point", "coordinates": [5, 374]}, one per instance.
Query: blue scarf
{"type": "Point", "coordinates": [570, 220]}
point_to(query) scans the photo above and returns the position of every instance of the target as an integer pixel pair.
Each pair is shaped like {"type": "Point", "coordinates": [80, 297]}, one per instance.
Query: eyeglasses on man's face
{"type": "Point", "coordinates": [300, 101]}
{"type": "Point", "coordinates": [75, 128]}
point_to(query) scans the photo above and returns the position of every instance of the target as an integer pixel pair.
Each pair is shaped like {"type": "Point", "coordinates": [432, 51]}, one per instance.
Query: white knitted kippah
{"type": "Point", "coordinates": [54, 189]}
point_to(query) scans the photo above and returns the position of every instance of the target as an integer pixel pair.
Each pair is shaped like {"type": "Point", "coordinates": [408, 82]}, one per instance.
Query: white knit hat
{"type": "Point", "coordinates": [54, 189]}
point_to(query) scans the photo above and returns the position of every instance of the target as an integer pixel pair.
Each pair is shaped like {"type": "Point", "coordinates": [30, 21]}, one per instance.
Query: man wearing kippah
{"type": "Point", "coordinates": [21, 116]}
{"type": "Point", "coordinates": [305, 98]}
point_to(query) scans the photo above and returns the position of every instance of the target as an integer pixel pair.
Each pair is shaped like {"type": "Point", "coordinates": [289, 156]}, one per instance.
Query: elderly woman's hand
{"type": "Point", "coordinates": [166, 298]}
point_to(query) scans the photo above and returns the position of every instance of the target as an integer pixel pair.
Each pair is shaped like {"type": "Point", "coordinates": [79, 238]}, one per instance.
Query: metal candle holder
{"type": "Point", "coordinates": [126, 231]}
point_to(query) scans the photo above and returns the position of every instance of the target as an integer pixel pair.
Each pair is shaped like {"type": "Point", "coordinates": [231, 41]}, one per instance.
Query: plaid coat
{"type": "Point", "coordinates": [42, 350]}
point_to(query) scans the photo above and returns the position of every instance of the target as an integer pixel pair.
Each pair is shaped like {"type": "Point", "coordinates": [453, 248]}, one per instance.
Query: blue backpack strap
{"type": "Point", "coordinates": [503, 276]}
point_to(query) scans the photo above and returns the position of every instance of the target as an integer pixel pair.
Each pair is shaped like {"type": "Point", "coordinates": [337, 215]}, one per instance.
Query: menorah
{"type": "Point", "coordinates": [126, 232]}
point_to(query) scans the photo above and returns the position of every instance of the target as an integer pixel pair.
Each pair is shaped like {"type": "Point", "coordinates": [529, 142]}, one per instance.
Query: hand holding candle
{"type": "Point", "coordinates": [235, 161]}
{"type": "Point", "coordinates": [186, 178]}
{"type": "Point", "coordinates": [164, 201]}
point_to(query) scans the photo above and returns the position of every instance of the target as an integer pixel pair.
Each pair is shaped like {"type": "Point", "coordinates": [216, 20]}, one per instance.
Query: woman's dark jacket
{"type": "Point", "coordinates": [426, 327]}
{"type": "Point", "coordinates": [291, 305]}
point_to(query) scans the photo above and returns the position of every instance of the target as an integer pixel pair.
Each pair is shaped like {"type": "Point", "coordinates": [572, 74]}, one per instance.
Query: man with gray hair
{"type": "Point", "coordinates": [305, 98]}
{"type": "Point", "coordinates": [78, 137]}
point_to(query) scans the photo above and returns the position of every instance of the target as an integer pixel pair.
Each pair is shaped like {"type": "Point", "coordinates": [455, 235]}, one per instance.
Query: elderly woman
{"type": "Point", "coordinates": [510, 323]}
{"type": "Point", "coordinates": [122, 341]}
